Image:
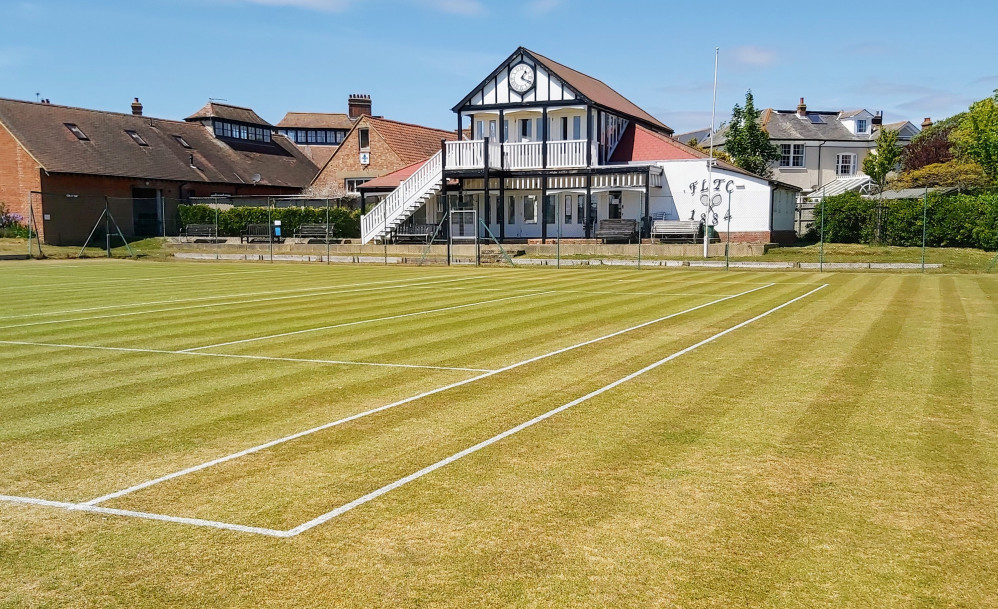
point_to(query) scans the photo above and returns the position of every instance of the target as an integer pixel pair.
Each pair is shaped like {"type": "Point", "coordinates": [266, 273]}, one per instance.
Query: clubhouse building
{"type": "Point", "coordinates": [545, 151]}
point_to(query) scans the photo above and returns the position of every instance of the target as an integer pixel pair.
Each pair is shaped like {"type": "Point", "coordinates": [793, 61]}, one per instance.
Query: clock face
{"type": "Point", "coordinates": [521, 78]}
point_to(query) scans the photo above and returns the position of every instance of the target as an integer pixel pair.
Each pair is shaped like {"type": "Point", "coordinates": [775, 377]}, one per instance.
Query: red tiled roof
{"type": "Point", "coordinates": [393, 179]}
{"type": "Point", "coordinates": [410, 142]}
{"type": "Point", "coordinates": [228, 112]}
{"type": "Point", "coordinates": [598, 91]}
{"type": "Point", "coordinates": [642, 144]}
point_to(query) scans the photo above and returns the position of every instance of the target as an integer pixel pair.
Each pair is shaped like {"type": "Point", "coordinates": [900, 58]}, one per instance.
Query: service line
{"type": "Point", "coordinates": [301, 434]}
{"type": "Point", "coordinates": [240, 302]}
{"type": "Point", "coordinates": [203, 298]}
{"type": "Point", "coordinates": [237, 356]}
{"type": "Point", "coordinates": [509, 432]}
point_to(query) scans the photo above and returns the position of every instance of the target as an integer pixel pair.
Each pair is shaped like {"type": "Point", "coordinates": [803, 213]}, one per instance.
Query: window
{"type": "Point", "coordinates": [480, 130]}
{"type": "Point", "coordinates": [529, 209]}
{"type": "Point", "coordinates": [550, 209]}
{"type": "Point", "coordinates": [845, 164]}
{"type": "Point", "coordinates": [580, 209]}
{"type": "Point", "coordinates": [564, 127]}
{"type": "Point", "coordinates": [181, 141]}
{"type": "Point", "coordinates": [525, 128]}
{"type": "Point", "coordinates": [568, 209]}
{"type": "Point", "coordinates": [136, 137]}
{"type": "Point", "coordinates": [364, 137]}
{"type": "Point", "coordinates": [240, 132]}
{"type": "Point", "coordinates": [351, 184]}
{"type": "Point", "coordinates": [505, 131]}
{"type": "Point", "coordinates": [511, 211]}
{"type": "Point", "coordinates": [791, 155]}
{"type": "Point", "coordinates": [492, 130]}
{"type": "Point", "coordinates": [577, 128]}
{"type": "Point", "coordinates": [861, 126]}
{"type": "Point", "coordinates": [540, 129]}
{"type": "Point", "coordinates": [77, 131]}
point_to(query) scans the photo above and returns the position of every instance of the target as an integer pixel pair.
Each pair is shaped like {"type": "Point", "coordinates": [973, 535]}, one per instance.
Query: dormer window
{"type": "Point", "coordinates": [239, 131]}
{"type": "Point", "coordinates": [77, 132]}
{"type": "Point", "coordinates": [136, 137]}
{"type": "Point", "coordinates": [862, 126]}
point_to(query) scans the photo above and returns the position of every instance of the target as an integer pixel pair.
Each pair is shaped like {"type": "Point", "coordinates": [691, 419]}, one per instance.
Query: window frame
{"type": "Point", "coordinates": [364, 139]}
{"type": "Point", "coordinates": [839, 165]}
{"type": "Point", "coordinates": [789, 156]}
{"type": "Point", "coordinates": [138, 139]}
{"type": "Point", "coordinates": [530, 203]}
{"type": "Point", "coordinates": [77, 132]}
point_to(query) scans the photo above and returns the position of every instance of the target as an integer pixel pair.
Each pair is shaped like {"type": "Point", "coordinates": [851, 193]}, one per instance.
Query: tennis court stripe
{"type": "Point", "coordinates": [203, 298]}
{"type": "Point", "coordinates": [236, 303]}
{"type": "Point", "coordinates": [238, 356]}
{"type": "Point", "coordinates": [472, 449]}
{"type": "Point", "coordinates": [301, 434]}
{"type": "Point", "coordinates": [78, 507]}
{"type": "Point", "coordinates": [364, 321]}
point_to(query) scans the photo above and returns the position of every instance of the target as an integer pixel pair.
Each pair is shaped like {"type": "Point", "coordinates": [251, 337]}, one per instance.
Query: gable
{"type": "Point", "coordinates": [495, 89]}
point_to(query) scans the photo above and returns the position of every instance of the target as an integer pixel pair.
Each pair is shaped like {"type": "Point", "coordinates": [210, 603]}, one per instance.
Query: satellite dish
{"type": "Point", "coordinates": [255, 178]}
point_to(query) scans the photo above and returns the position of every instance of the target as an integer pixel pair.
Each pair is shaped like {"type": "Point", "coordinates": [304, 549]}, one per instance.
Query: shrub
{"type": "Point", "coordinates": [11, 224]}
{"type": "Point", "coordinates": [232, 221]}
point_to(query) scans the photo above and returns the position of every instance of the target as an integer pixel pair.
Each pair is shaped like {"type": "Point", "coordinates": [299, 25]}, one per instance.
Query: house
{"type": "Point", "coordinates": [822, 151]}
{"type": "Point", "coordinates": [318, 134]}
{"type": "Point", "coordinates": [68, 163]}
{"type": "Point", "coordinates": [552, 152]}
{"type": "Point", "coordinates": [374, 147]}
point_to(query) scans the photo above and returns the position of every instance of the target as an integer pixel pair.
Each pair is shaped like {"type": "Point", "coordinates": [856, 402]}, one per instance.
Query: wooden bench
{"type": "Point", "coordinates": [315, 231]}
{"type": "Point", "coordinates": [415, 232]}
{"type": "Point", "coordinates": [259, 232]}
{"type": "Point", "coordinates": [199, 231]}
{"type": "Point", "coordinates": [675, 230]}
{"type": "Point", "coordinates": [617, 230]}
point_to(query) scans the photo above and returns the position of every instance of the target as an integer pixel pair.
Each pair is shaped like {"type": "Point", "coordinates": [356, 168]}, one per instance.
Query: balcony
{"type": "Point", "coordinates": [514, 156]}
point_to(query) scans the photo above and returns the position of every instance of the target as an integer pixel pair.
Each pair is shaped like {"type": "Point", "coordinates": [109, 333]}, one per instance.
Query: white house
{"type": "Point", "coordinates": [553, 152]}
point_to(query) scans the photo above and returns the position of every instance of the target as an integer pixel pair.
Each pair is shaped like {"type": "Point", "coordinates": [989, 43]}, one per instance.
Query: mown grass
{"type": "Point", "coordinates": [841, 452]}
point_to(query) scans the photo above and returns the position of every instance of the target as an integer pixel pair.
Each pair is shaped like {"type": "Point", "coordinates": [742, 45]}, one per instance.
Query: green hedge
{"type": "Point", "coordinates": [952, 220]}
{"type": "Point", "coordinates": [232, 221]}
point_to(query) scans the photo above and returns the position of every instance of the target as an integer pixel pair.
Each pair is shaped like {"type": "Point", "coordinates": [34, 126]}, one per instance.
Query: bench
{"type": "Point", "coordinates": [677, 230]}
{"type": "Point", "coordinates": [415, 232]}
{"type": "Point", "coordinates": [196, 231]}
{"type": "Point", "coordinates": [259, 232]}
{"type": "Point", "coordinates": [617, 230]}
{"type": "Point", "coordinates": [315, 231]}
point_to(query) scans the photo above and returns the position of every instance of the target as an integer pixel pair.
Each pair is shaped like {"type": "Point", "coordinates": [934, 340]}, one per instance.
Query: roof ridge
{"type": "Point", "coordinates": [388, 120]}
{"type": "Point", "coordinates": [94, 110]}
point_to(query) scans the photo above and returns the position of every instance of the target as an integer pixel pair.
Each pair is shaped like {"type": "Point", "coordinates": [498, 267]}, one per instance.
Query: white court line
{"type": "Point", "coordinates": [509, 432]}
{"type": "Point", "coordinates": [96, 281]}
{"type": "Point", "coordinates": [556, 291]}
{"type": "Point", "coordinates": [203, 298]}
{"type": "Point", "coordinates": [91, 507]}
{"type": "Point", "coordinates": [79, 507]}
{"type": "Point", "coordinates": [235, 356]}
{"type": "Point", "coordinates": [362, 321]}
{"type": "Point", "coordinates": [300, 434]}
{"type": "Point", "coordinates": [240, 302]}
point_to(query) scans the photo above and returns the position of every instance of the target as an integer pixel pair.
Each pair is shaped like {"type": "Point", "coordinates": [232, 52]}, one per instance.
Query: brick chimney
{"type": "Point", "coordinates": [359, 105]}
{"type": "Point", "coordinates": [878, 118]}
{"type": "Point", "coordinates": [137, 107]}
{"type": "Point", "coordinates": [926, 123]}
{"type": "Point", "coordinates": [802, 109]}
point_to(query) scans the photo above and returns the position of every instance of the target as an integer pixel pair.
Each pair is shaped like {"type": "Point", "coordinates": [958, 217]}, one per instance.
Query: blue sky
{"type": "Point", "coordinates": [417, 58]}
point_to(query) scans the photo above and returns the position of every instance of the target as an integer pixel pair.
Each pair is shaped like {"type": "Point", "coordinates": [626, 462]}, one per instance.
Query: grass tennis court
{"type": "Point", "coordinates": [288, 435]}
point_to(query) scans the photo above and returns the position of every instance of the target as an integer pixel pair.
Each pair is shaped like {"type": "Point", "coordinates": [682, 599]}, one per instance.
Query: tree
{"type": "Point", "coordinates": [747, 142]}
{"type": "Point", "coordinates": [965, 175]}
{"type": "Point", "coordinates": [884, 159]}
{"type": "Point", "coordinates": [933, 145]}
{"type": "Point", "coordinates": [977, 135]}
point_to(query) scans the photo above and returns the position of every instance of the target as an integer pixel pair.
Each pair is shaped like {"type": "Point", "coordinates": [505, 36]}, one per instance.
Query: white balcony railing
{"type": "Point", "coordinates": [470, 154]}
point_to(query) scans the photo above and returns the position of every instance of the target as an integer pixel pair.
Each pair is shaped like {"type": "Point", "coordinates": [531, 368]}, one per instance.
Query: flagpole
{"type": "Point", "coordinates": [710, 162]}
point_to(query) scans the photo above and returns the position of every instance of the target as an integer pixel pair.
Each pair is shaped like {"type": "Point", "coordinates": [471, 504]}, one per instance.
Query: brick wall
{"type": "Point", "coordinates": [781, 237]}
{"type": "Point", "coordinates": [19, 176]}
{"type": "Point", "coordinates": [345, 162]}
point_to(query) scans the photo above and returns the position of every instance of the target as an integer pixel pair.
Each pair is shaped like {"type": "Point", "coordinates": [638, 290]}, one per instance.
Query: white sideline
{"type": "Point", "coordinates": [78, 507]}
{"type": "Point", "coordinates": [202, 298]}
{"type": "Point", "coordinates": [300, 434]}
{"type": "Point", "coordinates": [556, 291]}
{"type": "Point", "coordinates": [237, 356]}
{"type": "Point", "coordinates": [239, 302]}
{"type": "Point", "coordinates": [96, 281]}
{"type": "Point", "coordinates": [362, 321]}
{"type": "Point", "coordinates": [509, 432]}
